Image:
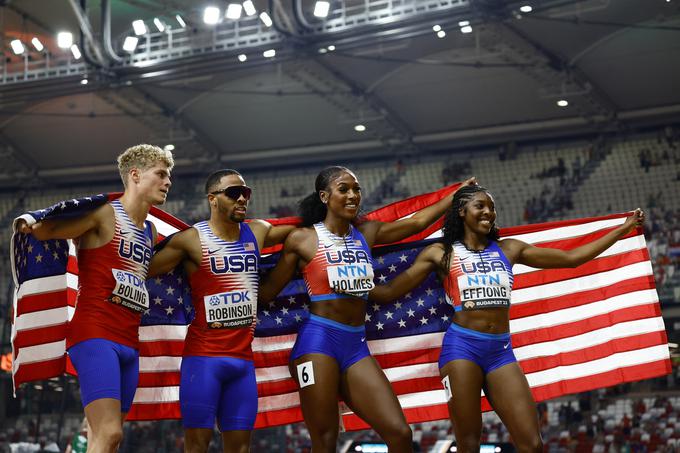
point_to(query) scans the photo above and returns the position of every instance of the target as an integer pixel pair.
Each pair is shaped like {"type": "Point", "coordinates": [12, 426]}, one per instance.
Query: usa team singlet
{"type": "Point", "coordinates": [112, 294]}
{"type": "Point", "coordinates": [224, 292]}
{"type": "Point", "coordinates": [479, 279]}
{"type": "Point", "coordinates": [340, 264]}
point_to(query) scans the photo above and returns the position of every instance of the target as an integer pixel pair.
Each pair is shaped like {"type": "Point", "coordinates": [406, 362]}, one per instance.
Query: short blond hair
{"type": "Point", "coordinates": [143, 157]}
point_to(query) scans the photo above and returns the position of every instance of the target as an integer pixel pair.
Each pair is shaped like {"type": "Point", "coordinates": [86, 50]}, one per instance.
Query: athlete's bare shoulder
{"type": "Point", "coordinates": [258, 225]}
{"type": "Point", "coordinates": [302, 241]}
{"type": "Point", "coordinates": [300, 235]}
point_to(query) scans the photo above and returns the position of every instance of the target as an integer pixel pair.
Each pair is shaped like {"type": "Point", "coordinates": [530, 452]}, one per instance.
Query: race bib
{"type": "Point", "coordinates": [478, 291]}
{"type": "Point", "coordinates": [355, 279]}
{"type": "Point", "coordinates": [130, 291]}
{"type": "Point", "coordinates": [230, 310]}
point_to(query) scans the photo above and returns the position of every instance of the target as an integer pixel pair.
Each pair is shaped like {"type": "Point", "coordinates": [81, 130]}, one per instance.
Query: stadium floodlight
{"type": "Point", "coordinates": [249, 7]}
{"type": "Point", "coordinates": [264, 17]}
{"type": "Point", "coordinates": [169, 147]}
{"type": "Point", "coordinates": [17, 47]}
{"type": "Point", "coordinates": [130, 43]}
{"type": "Point", "coordinates": [331, 48]}
{"type": "Point", "coordinates": [233, 11]}
{"type": "Point", "coordinates": [321, 8]}
{"type": "Point", "coordinates": [463, 23]}
{"type": "Point", "coordinates": [359, 128]}
{"type": "Point", "coordinates": [441, 34]}
{"type": "Point", "coordinates": [139, 27]}
{"type": "Point", "coordinates": [563, 103]}
{"type": "Point", "coordinates": [436, 28]}
{"type": "Point", "coordinates": [269, 53]}
{"type": "Point", "coordinates": [526, 8]}
{"type": "Point", "coordinates": [64, 39]}
{"type": "Point", "coordinates": [84, 81]}
{"type": "Point", "coordinates": [75, 51]}
{"type": "Point", "coordinates": [211, 15]}
{"type": "Point", "coordinates": [466, 29]}
{"type": "Point", "coordinates": [37, 44]}
{"type": "Point", "coordinates": [180, 21]}
{"type": "Point", "coordinates": [159, 25]}
{"type": "Point", "coordinates": [242, 57]}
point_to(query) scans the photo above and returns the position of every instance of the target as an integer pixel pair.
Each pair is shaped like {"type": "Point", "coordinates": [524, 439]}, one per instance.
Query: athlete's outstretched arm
{"type": "Point", "coordinates": [387, 232]}
{"type": "Point", "coordinates": [426, 262]}
{"type": "Point", "coordinates": [547, 258]}
{"type": "Point", "coordinates": [268, 234]}
{"type": "Point", "coordinates": [69, 228]}
{"type": "Point", "coordinates": [276, 279]}
{"type": "Point", "coordinates": [173, 252]}
{"type": "Point", "coordinates": [278, 234]}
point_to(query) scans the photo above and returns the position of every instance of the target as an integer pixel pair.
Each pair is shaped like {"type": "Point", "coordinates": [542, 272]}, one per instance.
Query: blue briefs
{"type": "Point", "coordinates": [222, 388]}
{"type": "Point", "coordinates": [106, 369]}
{"type": "Point", "coordinates": [489, 351]}
{"type": "Point", "coordinates": [319, 335]}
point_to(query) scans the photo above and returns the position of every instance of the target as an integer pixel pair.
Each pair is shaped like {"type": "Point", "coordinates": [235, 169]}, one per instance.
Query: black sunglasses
{"type": "Point", "coordinates": [235, 192]}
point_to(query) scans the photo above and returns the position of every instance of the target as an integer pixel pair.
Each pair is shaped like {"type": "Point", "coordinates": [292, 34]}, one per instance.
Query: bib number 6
{"type": "Point", "coordinates": [305, 373]}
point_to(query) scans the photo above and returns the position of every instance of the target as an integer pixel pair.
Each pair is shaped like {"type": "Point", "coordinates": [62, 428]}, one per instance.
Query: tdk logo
{"type": "Point", "coordinates": [234, 297]}
{"type": "Point", "coordinates": [134, 251]}
{"type": "Point", "coordinates": [214, 300]}
{"type": "Point", "coordinates": [347, 256]}
{"type": "Point", "coordinates": [233, 263]}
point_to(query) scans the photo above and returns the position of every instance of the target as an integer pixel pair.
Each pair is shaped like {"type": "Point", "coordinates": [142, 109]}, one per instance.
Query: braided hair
{"type": "Point", "coordinates": [453, 229]}
{"type": "Point", "coordinates": [311, 208]}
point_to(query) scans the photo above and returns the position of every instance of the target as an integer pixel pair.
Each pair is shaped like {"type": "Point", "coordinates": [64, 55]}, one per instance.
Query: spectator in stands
{"type": "Point", "coordinates": [470, 246]}
{"type": "Point", "coordinates": [330, 357]}
{"type": "Point", "coordinates": [103, 334]}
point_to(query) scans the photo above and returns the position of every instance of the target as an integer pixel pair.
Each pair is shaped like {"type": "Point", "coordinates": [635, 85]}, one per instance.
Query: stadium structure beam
{"type": "Point", "coordinates": [392, 125]}
{"type": "Point", "coordinates": [30, 18]}
{"type": "Point", "coordinates": [491, 136]}
{"type": "Point", "coordinates": [16, 163]}
{"type": "Point", "coordinates": [551, 71]}
{"type": "Point", "coordinates": [167, 125]}
{"type": "Point", "coordinates": [354, 23]}
{"type": "Point", "coordinates": [88, 34]}
{"type": "Point", "coordinates": [598, 101]}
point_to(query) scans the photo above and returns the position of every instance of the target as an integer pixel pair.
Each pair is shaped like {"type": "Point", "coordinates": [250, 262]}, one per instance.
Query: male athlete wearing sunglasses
{"type": "Point", "coordinates": [221, 257]}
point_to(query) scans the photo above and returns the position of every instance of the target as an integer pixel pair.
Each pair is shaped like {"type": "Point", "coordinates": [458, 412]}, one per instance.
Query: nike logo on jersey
{"type": "Point", "coordinates": [363, 339]}
{"type": "Point", "coordinates": [210, 252]}
{"type": "Point", "coordinates": [125, 233]}
{"type": "Point", "coordinates": [506, 346]}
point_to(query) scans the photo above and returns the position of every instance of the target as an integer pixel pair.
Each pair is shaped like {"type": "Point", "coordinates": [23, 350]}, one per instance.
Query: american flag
{"type": "Point", "coordinates": [572, 329]}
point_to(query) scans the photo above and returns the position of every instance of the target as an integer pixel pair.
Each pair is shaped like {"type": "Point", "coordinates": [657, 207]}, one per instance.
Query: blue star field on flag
{"type": "Point", "coordinates": [423, 311]}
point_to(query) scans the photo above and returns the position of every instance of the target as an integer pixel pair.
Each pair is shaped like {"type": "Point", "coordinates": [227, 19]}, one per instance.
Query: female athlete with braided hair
{"type": "Point", "coordinates": [476, 351]}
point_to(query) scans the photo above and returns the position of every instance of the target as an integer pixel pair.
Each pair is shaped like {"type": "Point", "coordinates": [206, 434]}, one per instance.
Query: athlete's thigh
{"type": "Point", "coordinates": [509, 394]}
{"type": "Point", "coordinates": [99, 370]}
{"type": "Point", "coordinates": [238, 400]}
{"type": "Point", "coordinates": [368, 392]}
{"type": "Point", "coordinates": [199, 392]}
{"type": "Point", "coordinates": [318, 378]}
{"type": "Point", "coordinates": [129, 378]}
{"type": "Point", "coordinates": [465, 380]}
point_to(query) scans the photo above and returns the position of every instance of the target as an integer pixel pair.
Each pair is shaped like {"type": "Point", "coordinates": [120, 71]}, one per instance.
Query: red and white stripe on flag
{"type": "Point", "coordinates": [572, 330]}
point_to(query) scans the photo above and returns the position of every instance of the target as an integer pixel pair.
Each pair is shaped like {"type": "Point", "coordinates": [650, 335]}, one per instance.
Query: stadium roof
{"type": "Point", "coordinates": [617, 63]}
